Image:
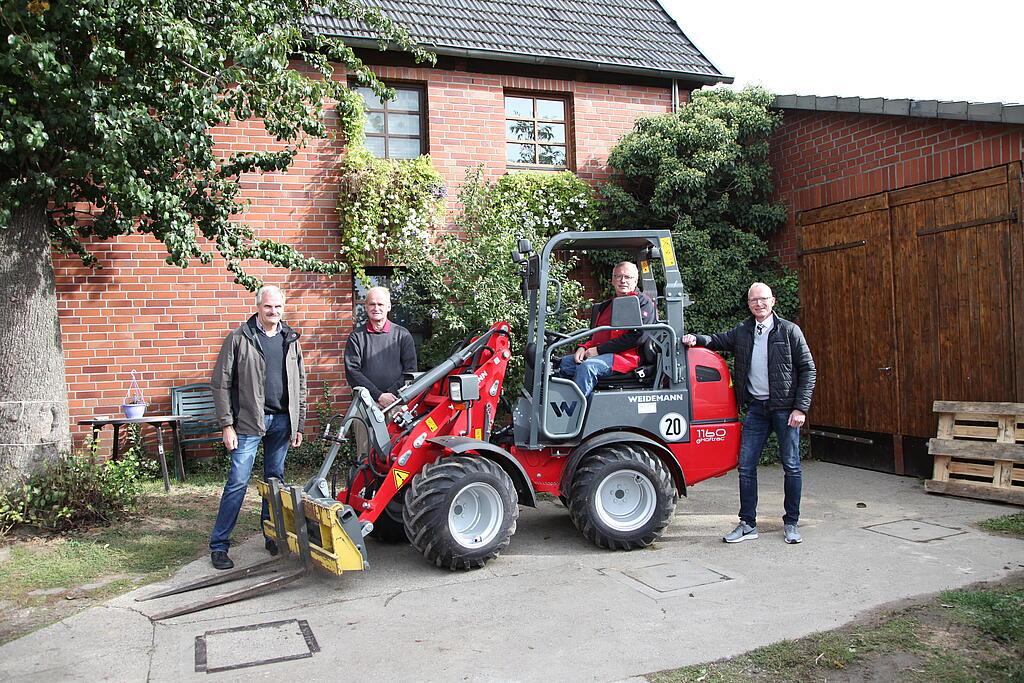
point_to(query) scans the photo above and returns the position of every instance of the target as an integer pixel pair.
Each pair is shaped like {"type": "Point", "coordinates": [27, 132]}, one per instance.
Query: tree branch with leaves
{"type": "Point", "coordinates": [111, 106]}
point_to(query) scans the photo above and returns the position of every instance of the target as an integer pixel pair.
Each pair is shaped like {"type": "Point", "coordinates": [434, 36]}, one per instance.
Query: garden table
{"type": "Point", "coordinates": [158, 421]}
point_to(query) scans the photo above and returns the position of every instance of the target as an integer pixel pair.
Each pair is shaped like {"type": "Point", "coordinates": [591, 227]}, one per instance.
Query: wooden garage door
{"type": "Point", "coordinates": [848, 317]}
{"type": "Point", "coordinates": [955, 295]}
{"type": "Point", "coordinates": [913, 296]}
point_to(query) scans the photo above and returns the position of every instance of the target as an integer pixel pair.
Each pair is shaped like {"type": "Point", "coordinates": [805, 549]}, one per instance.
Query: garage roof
{"type": "Point", "coordinates": [622, 36]}
{"type": "Point", "coordinates": [990, 112]}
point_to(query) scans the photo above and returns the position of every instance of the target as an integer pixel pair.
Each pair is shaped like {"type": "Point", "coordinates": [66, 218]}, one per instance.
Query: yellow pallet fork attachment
{"type": "Point", "coordinates": [330, 530]}
{"type": "Point", "coordinates": [327, 534]}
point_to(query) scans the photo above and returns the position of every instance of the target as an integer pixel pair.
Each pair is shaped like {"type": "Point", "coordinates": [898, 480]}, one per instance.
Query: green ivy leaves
{"type": "Point", "coordinates": [467, 281]}
{"type": "Point", "coordinates": [389, 205]}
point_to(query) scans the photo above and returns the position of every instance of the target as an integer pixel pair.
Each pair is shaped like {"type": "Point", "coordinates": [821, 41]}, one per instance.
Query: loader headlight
{"type": "Point", "coordinates": [464, 388]}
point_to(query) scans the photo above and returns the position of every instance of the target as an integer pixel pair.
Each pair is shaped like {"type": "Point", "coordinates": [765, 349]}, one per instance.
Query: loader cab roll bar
{"type": "Point", "coordinates": [651, 250]}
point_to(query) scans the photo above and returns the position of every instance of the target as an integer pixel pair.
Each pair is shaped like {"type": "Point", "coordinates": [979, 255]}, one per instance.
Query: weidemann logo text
{"type": "Point", "coordinates": [651, 399]}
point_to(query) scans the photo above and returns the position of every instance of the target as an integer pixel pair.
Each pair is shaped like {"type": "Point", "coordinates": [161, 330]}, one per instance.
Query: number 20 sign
{"type": "Point", "coordinates": [672, 427]}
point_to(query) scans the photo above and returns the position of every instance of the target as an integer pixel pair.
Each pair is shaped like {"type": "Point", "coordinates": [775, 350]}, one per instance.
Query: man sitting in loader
{"type": "Point", "coordinates": [611, 350]}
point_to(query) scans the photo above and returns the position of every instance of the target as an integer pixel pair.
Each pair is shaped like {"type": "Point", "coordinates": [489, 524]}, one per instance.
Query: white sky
{"type": "Point", "coordinates": [964, 50]}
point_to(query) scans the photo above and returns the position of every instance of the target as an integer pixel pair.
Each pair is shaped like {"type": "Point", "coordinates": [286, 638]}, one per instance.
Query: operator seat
{"type": "Point", "coordinates": [641, 377]}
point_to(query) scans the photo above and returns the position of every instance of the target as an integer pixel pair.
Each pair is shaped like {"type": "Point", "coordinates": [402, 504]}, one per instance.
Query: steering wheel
{"type": "Point", "coordinates": [553, 336]}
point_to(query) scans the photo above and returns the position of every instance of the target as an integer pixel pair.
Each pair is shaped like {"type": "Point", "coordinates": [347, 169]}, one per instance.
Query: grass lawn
{"type": "Point", "coordinates": [44, 579]}
{"type": "Point", "coordinates": [974, 634]}
{"type": "Point", "coordinates": [1012, 525]}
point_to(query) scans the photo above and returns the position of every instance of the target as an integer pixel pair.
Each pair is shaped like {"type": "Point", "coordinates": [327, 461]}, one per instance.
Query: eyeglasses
{"type": "Point", "coordinates": [760, 300]}
{"type": "Point", "coordinates": [624, 278]}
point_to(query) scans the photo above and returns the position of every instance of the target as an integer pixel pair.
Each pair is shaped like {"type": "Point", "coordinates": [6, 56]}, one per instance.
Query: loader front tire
{"type": "Point", "coordinates": [622, 497]}
{"type": "Point", "coordinates": [461, 512]}
{"type": "Point", "coordinates": [390, 524]}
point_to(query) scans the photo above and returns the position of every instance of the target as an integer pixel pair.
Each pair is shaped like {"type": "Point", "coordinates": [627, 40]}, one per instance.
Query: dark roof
{"type": "Point", "coordinates": [989, 112]}
{"type": "Point", "coordinates": [624, 36]}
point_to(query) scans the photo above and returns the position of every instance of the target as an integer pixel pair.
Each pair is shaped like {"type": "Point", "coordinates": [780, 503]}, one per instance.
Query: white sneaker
{"type": "Point", "coordinates": [792, 535]}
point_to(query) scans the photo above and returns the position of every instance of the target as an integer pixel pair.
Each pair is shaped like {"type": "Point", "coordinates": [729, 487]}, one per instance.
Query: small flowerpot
{"type": "Point", "coordinates": [134, 410]}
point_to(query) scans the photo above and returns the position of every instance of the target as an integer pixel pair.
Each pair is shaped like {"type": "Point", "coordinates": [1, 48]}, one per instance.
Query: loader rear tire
{"type": "Point", "coordinates": [622, 497]}
{"type": "Point", "coordinates": [461, 512]}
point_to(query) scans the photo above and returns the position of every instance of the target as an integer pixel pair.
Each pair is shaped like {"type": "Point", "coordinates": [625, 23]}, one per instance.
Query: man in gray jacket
{"type": "Point", "coordinates": [773, 377]}
{"type": "Point", "coordinates": [259, 391]}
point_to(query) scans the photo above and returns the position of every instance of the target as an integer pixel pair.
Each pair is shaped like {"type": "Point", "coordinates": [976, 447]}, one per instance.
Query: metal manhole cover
{"type": "Point", "coordinates": [915, 530]}
{"type": "Point", "coordinates": [670, 578]}
{"type": "Point", "coordinates": [234, 648]}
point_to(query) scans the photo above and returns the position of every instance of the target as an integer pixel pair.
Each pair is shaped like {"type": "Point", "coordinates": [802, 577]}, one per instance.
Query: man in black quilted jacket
{"type": "Point", "coordinates": [773, 377]}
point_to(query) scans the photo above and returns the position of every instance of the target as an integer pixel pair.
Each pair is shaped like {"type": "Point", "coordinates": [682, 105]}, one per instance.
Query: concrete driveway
{"type": "Point", "coordinates": [553, 607]}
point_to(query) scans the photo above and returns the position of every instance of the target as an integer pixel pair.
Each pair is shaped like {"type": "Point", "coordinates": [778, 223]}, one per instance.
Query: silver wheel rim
{"type": "Point", "coordinates": [625, 500]}
{"type": "Point", "coordinates": [475, 515]}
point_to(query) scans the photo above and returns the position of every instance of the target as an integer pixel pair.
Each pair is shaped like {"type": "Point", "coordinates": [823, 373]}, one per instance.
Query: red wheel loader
{"type": "Point", "coordinates": [436, 470]}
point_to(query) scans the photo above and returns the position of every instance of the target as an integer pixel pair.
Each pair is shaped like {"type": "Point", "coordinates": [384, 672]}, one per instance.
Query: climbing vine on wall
{"type": "Point", "coordinates": [387, 204]}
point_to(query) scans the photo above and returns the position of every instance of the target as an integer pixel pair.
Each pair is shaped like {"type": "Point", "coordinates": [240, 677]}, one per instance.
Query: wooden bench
{"type": "Point", "coordinates": [979, 451]}
{"type": "Point", "coordinates": [195, 402]}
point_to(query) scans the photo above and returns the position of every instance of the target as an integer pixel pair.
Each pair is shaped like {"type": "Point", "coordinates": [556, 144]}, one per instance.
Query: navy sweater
{"type": "Point", "coordinates": [377, 360]}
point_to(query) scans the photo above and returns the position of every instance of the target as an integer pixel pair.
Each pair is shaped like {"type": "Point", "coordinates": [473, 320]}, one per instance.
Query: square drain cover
{"type": "Point", "coordinates": [915, 530]}
{"type": "Point", "coordinates": [674, 576]}
{"type": "Point", "coordinates": [235, 648]}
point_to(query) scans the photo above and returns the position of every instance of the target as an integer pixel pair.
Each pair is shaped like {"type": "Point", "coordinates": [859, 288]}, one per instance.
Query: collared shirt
{"type": "Point", "coordinates": [259, 326]}
{"type": "Point", "coordinates": [384, 330]}
{"type": "Point", "coordinates": [757, 380]}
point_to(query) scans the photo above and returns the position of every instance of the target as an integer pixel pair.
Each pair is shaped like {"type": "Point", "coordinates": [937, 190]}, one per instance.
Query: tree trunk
{"type": "Point", "coordinates": [34, 425]}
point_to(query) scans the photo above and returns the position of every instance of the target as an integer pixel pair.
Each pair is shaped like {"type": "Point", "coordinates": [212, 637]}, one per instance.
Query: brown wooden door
{"type": "Point", "coordinates": [847, 316]}
{"type": "Point", "coordinates": [914, 296]}
{"type": "Point", "coordinates": [953, 246]}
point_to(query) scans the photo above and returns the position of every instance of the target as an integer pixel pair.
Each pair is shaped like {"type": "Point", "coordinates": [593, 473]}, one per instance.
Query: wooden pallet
{"type": "Point", "coordinates": [979, 451]}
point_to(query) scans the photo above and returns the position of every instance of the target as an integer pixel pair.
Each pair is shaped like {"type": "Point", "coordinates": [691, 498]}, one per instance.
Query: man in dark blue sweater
{"type": "Point", "coordinates": [379, 352]}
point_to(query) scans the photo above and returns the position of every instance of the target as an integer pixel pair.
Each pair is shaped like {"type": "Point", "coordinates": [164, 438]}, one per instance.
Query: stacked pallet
{"type": "Point", "coordinates": [979, 451]}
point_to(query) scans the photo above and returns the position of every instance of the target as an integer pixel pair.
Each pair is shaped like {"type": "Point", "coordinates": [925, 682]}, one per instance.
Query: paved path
{"type": "Point", "coordinates": [553, 607]}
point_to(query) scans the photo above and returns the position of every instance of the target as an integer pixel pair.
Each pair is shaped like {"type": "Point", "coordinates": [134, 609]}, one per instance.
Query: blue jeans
{"type": "Point", "coordinates": [588, 372]}
{"type": "Point", "coordinates": [758, 424]}
{"type": "Point", "coordinates": [275, 447]}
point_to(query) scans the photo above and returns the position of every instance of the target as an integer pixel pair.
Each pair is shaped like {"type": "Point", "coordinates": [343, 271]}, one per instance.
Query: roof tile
{"type": "Point", "coordinates": [630, 35]}
{"type": "Point", "coordinates": [993, 112]}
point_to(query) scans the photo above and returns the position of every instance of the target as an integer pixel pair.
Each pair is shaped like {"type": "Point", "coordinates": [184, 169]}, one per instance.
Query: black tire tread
{"type": "Point", "coordinates": [587, 477]}
{"type": "Point", "coordinates": [426, 517]}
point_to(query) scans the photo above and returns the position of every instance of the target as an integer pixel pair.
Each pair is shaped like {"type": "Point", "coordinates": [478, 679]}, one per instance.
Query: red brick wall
{"type": "Point", "coordinates": [166, 323]}
{"type": "Point", "coordinates": [822, 158]}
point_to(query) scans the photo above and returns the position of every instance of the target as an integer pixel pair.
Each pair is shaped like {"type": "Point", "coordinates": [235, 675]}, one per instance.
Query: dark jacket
{"type": "Point", "coordinates": [239, 379]}
{"type": "Point", "coordinates": [791, 372]}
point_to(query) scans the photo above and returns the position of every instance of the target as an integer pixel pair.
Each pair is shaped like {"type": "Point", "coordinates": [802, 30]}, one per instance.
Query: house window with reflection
{"type": "Point", "coordinates": [396, 129]}
{"type": "Point", "coordinates": [536, 131]}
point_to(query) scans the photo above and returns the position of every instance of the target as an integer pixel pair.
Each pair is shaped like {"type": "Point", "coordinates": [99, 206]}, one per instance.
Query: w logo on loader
{"type": "Point", "coordinates": [564, 409]}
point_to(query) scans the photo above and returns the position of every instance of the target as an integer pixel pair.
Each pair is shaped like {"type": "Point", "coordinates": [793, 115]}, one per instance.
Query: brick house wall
{"type": "Point", "coordinates": [821, 158]}
{"type": "Point", "coordinates": [138, 313]}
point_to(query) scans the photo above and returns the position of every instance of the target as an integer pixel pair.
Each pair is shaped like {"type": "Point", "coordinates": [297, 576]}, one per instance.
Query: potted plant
{"type": "Point", "coordinates": [134, 405]}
